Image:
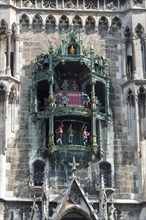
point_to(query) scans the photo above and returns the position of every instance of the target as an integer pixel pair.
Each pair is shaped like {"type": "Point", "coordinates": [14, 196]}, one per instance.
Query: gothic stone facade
{"type": "Point", "coordinates": [76, 67]}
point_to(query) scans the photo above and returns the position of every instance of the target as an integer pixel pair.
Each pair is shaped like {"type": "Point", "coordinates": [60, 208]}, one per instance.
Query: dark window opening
{"type": "Point", "coordinates": [129, 69]}
{"type": "Point", "coordinates": [2, 94]}
{"type": "Point", "coordinates": [105, 170]}
{"type": "Point", "coordinates": [12, 63]}
{"type": "Point", "coordinates": [38, 173]}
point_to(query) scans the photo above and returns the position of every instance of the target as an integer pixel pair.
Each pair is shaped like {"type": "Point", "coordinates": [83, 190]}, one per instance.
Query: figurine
{"type": "Point", "coordinates": [59, 133]}
{"type": "Point", "coordinates": [85, 135]}
{"type": "Point", "coordinates": [53, 100]}
{"type": "Point", "coordinates": [86, 100]}
{"type": "Point", "coordinates": [65, 85]}
{"type": "Point", "coordinates": [65, 100]}
{"type": "Point", "coordinates": [74, 86]}
{"type": "Point", "coordinates": [70, 134]}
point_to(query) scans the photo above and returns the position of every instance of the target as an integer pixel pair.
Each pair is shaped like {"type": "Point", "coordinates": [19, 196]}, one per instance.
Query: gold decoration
{"type": "Point", "coordinates": [72, 50]}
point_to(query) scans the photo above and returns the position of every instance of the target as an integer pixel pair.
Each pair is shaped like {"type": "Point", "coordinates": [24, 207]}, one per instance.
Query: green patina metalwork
{"type": "Point", "coordinates": [95, 67]}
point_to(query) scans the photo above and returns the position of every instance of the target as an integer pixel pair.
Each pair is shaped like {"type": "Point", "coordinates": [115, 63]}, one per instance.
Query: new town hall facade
{"type": "Point", "coordinates": [72, 109]}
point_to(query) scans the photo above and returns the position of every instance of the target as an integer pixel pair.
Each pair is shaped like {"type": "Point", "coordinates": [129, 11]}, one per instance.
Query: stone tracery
{"type": "Point", "coordinates": [49, 4]}
{"type": "Point", "coordinates": [90, 4]}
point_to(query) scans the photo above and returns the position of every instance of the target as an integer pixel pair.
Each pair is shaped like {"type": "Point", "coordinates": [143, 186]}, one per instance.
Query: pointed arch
{"type": "Point", "coordinates": [90, 25]}
{"type": "Point", "coordinates": [127, 32]}
{"type": "Point", "coordinates": [75, 211]}
{"type": "Point", "coordinates": [130, 97]}
{"type": "Point", "coordinates": [2, 117]}
{"type": "Point", "coordinates": [103, 24]}
{"type": "Point", "coordinates": [142, 112]}
{"type": "Point", "coordinates": [116, 24]}
{"type": "Point", "coordinates": [3, 26]}
{"type": "Point", "coordinates": [37, 23]}
{"type": "Point", "coordinates": [50, 23]}
{"type": "Point", "coordinates": [24, 23]}
{"type": "Point", "coordinates": [63, 23]}
{"type": "Point", "coordinates": [139, 30]}
{"type": "Point", "coordinates": [77, 22]}
{"type": "Point", "coordinates": [2, 93]}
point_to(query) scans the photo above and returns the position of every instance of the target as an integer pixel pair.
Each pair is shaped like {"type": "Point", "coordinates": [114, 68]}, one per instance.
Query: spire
{"type": "Point", "coordinates": [103, 200]}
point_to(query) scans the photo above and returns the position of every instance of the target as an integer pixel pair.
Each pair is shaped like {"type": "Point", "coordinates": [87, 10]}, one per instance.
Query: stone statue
{"type": "Point", "coordinates": [111, 211]}
{"type": "Point", "coordinates": [12, 96]}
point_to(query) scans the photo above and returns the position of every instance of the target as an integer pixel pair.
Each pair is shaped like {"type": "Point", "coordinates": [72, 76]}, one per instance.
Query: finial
{"type": "Point", "coordinates": [50, 48]}
{"type": "Point", "coordinates": [74, 168]}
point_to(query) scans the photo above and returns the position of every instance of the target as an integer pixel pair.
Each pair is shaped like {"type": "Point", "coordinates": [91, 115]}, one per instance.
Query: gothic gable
{"type": "Point", "coordinates": [76, 201]}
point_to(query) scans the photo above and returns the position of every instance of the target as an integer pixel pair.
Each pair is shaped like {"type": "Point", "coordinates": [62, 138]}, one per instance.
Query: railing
{"type": "Point", "coordinates": [65, 99]}
{"type": "Point", "coordinates": [73, 4]}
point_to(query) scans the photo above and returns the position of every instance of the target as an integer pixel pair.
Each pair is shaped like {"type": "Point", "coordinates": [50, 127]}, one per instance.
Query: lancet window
{"type": "Point", "coordinates": [142, 112]}
{"type": "Point", "coordinates": [103, 24]}
{"type": "Point", "coordinates": [3, 27]}
{"type": "Point", "coordinates": [131, 112]}
{"type": "Point", "coordinates": [139, 30]}
{"type": "Point", "coordinates": [2, 117]}
{"type": "Point", "coordinates": [37, 23]}
{"type": "Point", "coordinates": [77, 22]}
{"type": "Point", "coordinates": [116, 24]}
{"type": "Point", "coordinates": [63, 23]}
{"type": "Point", "coordinates": [90, 25]}
{"type": "Point", "coordinates": [2, 94]}
{"type": "Point", "coordinates": [50, 24]}
{"type": "Point", "coordinates": [24, 23]}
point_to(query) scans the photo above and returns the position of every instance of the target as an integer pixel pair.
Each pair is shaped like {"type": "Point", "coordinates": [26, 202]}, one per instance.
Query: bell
{"type": "Point", "coordinates": [72, 50]}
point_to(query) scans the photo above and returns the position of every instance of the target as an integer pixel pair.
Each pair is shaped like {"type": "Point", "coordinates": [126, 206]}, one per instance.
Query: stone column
{"type": "Point", "coordinates": [51, 131]}
{"type": "Point", "coordinates": [93, 120]}
{"type": "Point", "coordinates": [16, 56]}
{"type": "Point", "coordinates": [45, 194]}
{"type": "Point", "coordinates": [138, 143]}
{"type": "Point", "coordinates": [107, 93]}
{"type": "Point", "coordinates": [8, 69]}
{"type": "Point", "coordinates": [134, 73]}
{"type": "Point", "coordinates": [94, 136]}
